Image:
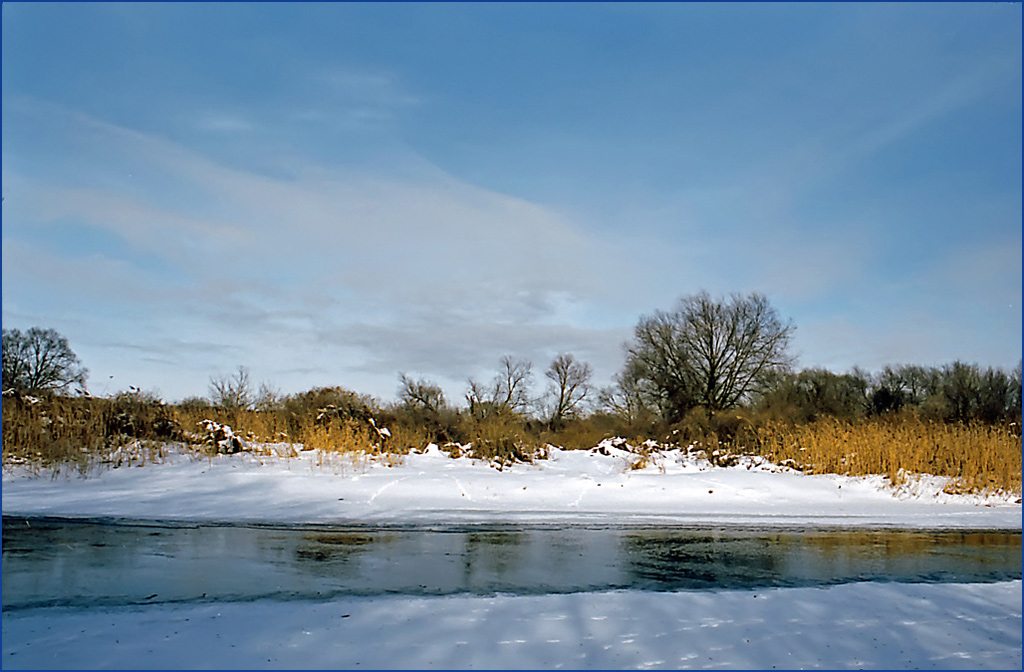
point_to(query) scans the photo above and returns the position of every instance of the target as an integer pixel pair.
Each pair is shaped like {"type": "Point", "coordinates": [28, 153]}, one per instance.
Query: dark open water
{"type": "Point", "coordinates": [87, 563]}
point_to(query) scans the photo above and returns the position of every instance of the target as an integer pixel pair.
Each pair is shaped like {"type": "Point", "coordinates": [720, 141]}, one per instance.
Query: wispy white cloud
{"type": "Point", "coordinates": [338, 256]}
{"type": "Point", "coordinates": [218, 122]}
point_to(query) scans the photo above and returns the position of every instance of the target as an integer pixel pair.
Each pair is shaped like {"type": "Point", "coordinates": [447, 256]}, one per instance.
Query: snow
{"type": "Point", "coordinates": [586, 486]}
{"type": "Point", "coordinates": [861, 625]}
{"type": "Point", "coordinates": [856, 626]}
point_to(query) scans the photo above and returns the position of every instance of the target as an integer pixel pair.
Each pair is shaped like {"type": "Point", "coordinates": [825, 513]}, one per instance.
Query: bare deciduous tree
{"type": "Point", "coordinates": [709, 353]}
{"type": "Point", "coordinates": [508, 392]}
{"type": "Point", "coordinates": [512, 384]}
{"type": "Point", "coordinates": [817, 392]}
{"type": "Point", "coordinates": [232, 392]}
{"type": "Point", "coordinates": [40, 359]}
{"type": "Point", "coordinates": [421, 394]}
{"type": "Point", "coordinates": [571, 384]}
{"type": "Point", "coordinates": [478, 399]}
{"type": "Point", "coordinates": [630, 396]}
{"type": "Point", "coordinates": [268, 398]}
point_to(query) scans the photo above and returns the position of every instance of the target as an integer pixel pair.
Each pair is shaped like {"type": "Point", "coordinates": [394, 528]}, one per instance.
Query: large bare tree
{"type": "Point", "coordinates": [709, 352]}
{"type": "Point", "coordinates": [570, 385]}
{"type": "Point", "coordinates": [40, 359]}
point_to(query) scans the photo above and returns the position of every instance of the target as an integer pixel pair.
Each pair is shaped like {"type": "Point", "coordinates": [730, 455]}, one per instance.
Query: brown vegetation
{"type": "Point", "coordinates": [58, 433]}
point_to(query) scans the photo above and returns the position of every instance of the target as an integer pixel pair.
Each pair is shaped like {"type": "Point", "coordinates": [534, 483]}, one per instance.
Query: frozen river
{"type": "Point", "coordinates": [87, 563]}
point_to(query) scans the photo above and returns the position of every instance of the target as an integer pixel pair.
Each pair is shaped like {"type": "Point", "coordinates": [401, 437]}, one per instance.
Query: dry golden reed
{"type": "Point", "coordinates": [977, 458]}
{"type": "Point", "coordinates": [63, 433]}
{"type": "Point", "coordinates": [60, 433]}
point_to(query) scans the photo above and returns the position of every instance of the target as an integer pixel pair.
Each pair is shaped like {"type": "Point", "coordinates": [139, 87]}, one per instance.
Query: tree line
{"type": "Point", "coordinates": [712, 355]}
{"type": "Point", "coordinates": [707, 355]}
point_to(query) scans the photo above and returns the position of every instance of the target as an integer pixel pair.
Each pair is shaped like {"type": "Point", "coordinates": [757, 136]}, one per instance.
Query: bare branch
{"type": "Point", "coordinates": [571, 384]}
{"type": "Point", "coordinates": [708, 352]}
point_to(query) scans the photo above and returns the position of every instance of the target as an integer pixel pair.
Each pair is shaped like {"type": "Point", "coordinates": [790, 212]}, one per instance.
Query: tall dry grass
{"type": "Point", "coordinates": [61, 434]}
{"type": "Point", "coordinates": [252, 426]}
{"type": "Point", "coordinates": [352, 440]}
{"type": "Point", "coordinates": [339, 441]}
{"type": "Point", "coordinates": [78, 434]}
{"type": "Point", "coordinates": [976, 457]}
{"type": "Point", "coordinates": [502, 439]}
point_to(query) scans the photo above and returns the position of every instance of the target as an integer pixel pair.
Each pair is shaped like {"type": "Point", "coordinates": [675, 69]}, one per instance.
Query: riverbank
{"type": "Point", "coordinates": [604, 485]}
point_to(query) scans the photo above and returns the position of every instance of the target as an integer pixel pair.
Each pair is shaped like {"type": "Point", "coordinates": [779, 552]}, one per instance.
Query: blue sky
{"type": "Point", "coordinates": [331, 194]}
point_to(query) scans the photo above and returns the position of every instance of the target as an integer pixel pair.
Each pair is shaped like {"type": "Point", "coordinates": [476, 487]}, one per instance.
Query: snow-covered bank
{"type": "Point", "coordinates": [430, 488]}
{"type": "Point", "coordinates": [857, 626]}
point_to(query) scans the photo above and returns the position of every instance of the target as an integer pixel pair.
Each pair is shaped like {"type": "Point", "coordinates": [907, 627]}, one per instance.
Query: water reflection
{"type": "Point", "coordinates": [61, 562]}
{"type": "Point", "coordinates": [729, 558]}
{"type": "Point", "coordinates": [673, 560]}
{"type": "Point", "coordinates": [494, 558]}
{"type": "Point", "coordinates": [332, 547]}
